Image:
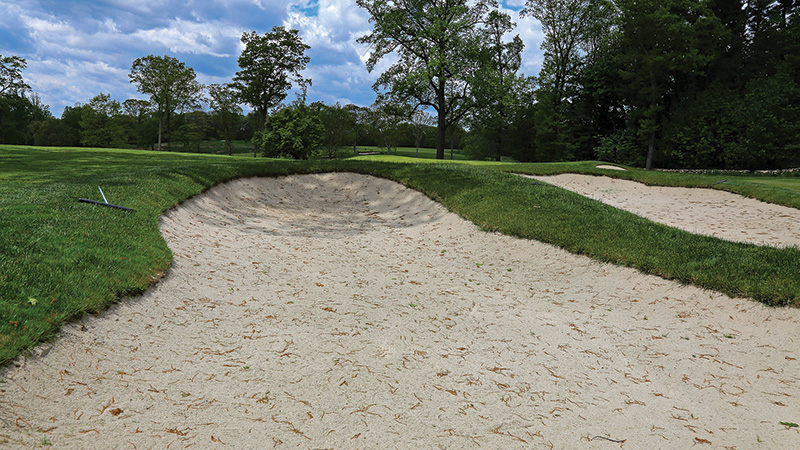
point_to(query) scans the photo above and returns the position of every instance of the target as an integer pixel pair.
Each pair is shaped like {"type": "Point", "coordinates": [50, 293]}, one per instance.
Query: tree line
{"type": "Point", "coordinates": [666, 83]}
{"type": "Point", "coordinates": [652, 83]}
{"type": "Point", "coordinates": [173, 118]}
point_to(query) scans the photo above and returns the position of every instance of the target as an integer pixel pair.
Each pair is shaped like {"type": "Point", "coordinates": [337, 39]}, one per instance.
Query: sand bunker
{"type": "Point", "coordinates": [709, 212]}
{"type": "Point", "coordinates": [609, 167]}
{"type": "Point", "coordinates": [344, 311]}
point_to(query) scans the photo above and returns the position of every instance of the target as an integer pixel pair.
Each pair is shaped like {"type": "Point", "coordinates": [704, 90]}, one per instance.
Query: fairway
{"type": "Point", "coordinates": [788, 183]}
{"type": "Point", "coordinates": [349, 311]}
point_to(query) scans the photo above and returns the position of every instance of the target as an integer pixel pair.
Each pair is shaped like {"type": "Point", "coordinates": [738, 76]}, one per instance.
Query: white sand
{"type": "Point", "coordinates": [709, 212]}
{"type": "Point", "coordinates": [343, 311]}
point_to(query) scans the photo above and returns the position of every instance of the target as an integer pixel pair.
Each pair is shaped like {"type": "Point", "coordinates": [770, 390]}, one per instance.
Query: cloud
{"type": "Point", "coordinates": [514, 4]}
{"type": "Point", "coordinates": [202, 38]}
{"type": "Point", "coordinates": [80, 48]}
{"type": "Point", "coordinates": [530, 31]}
{"type": "Point", "coordinates": [69, 82]}
{"type": "Point", "coordinates": [331, 28]}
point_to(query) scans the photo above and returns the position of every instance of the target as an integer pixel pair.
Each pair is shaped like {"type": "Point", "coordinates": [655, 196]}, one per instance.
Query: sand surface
{"type": "Point", "coordinates": [701, 211]}
{"type": "Point", "coordinates": [344, 311]}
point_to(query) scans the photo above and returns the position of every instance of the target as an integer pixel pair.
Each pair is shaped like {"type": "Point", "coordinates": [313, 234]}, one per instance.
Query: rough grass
{"type": "Point", "coordinates": [62, 258]}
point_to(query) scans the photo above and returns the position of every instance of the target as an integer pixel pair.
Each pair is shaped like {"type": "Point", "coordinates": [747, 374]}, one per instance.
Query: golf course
{"type": "Point", "coordinates": [387, 301]}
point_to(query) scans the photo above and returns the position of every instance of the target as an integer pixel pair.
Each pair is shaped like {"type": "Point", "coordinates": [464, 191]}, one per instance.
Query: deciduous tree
{"type": "Point", "coordinates": [339, 126]}
{"type": "Point", "coordinates": [170, 84]}
{"type": "Point", "coordinates": [439, 44]}
{"type": "Point", "coordinates": [227, 112]}
{"type": "Point", "coordinates": [660, 42]}
{"type": "Point", "coordinates": [100, 124]}
{"type": "Point", "coordinates": [270, 64]}
{"type": "Point", "coordinates": [293, 132]}
{"type": "Point", "coordinates": [421, 121]}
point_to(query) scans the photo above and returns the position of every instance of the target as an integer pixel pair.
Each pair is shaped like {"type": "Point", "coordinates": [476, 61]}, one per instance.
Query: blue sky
{"type": "Point", "coordinates": [77, 49]}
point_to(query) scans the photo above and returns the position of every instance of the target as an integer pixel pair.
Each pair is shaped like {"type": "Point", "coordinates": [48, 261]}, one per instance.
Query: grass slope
{"type": "Point", "coordinates": [62, 258]}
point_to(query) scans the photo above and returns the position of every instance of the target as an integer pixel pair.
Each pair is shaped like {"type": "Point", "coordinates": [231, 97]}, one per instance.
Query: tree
{"type": "Point", "coordinates": [11, 82]}
{"type": "Point", "coordinates": [71, 120]}
{"type": "Point", "coordinates": [170, 84]}
{"type": "Point", "coordinates": [571, 29]}
{"type": "Point", "coordinates": [17, 113]}
{"type": "Point", "coordinates": [500, 86]}
{"type": "Point", "coordinates": [385, 118]}
{"type": "Point", "coordinates": [100, 123]}
{"type": "Point", "coordinates": [293, 132]}
{"type": "Point", "coordinates": [439, 46]}
{"type": "Point", "coordinates": [270, 65]}
{"type": "Point", "coordinates": [227, 117]}
{"type": "Point", "coordinates": [421, 121]}
{"type": "Point", "coordinates": [360, 123]}
{"type": "Point", "coordinates": [339, 126]}
{"type": "Point", "coordinates": [192, 130]}
{"type": "Point", "coordinates": [15, 108]}
{"type": "Point", "coordinates": [50, 132]}
{"type": "Point", "coordinates": [136, 109]}
{"type": "Point", "coordinates": [660, 44]}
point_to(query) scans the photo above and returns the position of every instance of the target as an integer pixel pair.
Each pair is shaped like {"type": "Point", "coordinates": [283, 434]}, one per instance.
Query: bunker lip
{"type": "Point", "coordinates": [341, 310]}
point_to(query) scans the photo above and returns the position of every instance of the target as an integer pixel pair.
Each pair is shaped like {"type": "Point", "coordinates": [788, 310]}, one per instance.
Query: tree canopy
{"type": "Point", "coordinates": [171, 85]}
{"type": "Point", "coordinates": [227, 112]}
{"type": "Point", "coordinates": [439, 44]}
{"type": "Point", "coordinates": [294, 132]}
{"type": "Point", "coordinates": [270, 64]}
{"type": "Point", "coordinates": [11, 68]}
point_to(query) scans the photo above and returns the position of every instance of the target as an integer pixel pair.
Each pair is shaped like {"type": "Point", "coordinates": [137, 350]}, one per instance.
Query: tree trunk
{"type": "Point", "coordinates": [159, 132]}
{"type": "Point", "coordinates": [263, 114]}
{"type": "Point", "coordinates": [441, 130]}
{"type": "Point", "coordinates": [651, 148]}
{"type": "Point", "coordinates": [169, 134]}
{"type": "Point", "coordinates": [441, 125]}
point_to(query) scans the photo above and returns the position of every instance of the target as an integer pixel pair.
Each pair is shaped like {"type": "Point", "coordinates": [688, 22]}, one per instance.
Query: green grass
{"type": "Point", "coordinates": [241, 148]}
{"type": "Point", "coordinates": [781, 190]}
{"type": "Point", "coordinates": [61, 258]}
{"type": "Point", "coordinates": [402, 153]}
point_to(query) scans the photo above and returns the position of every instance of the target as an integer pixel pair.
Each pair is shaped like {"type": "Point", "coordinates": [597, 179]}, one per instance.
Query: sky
{"type": "Point", "coordinates": [77, 49]}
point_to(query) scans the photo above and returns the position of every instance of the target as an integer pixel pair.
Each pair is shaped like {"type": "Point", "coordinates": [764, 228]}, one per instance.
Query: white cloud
{"type": "Point", "coordinates": [515, 3]}
{"type": "Point", "coordinates": [530, 31]}
{"type": "Point", "coordinates": [181, 36]}
{"type": "Point", "coordinates": [336, 26]}
{"type": "Point", "coordinates": [64, 83]}
{"type": "Point", "coordinates": [80, 48]}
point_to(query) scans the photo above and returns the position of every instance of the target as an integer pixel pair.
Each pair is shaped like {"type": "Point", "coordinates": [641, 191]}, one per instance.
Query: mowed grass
{"type": "Point", "coordinates": [405, 152]}
{"type": "Point", "coordinates": [61, 258]}
{"type": "Point", "coordinates": [781, 190]}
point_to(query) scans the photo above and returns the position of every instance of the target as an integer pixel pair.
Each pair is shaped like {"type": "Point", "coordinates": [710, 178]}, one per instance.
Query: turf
{"type": "Point", "coordinates": [61, 258]}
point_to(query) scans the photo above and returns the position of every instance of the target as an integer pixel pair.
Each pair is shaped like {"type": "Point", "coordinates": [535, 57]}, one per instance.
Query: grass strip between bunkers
{"type": "Point", "coordinates": [61, 258]}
